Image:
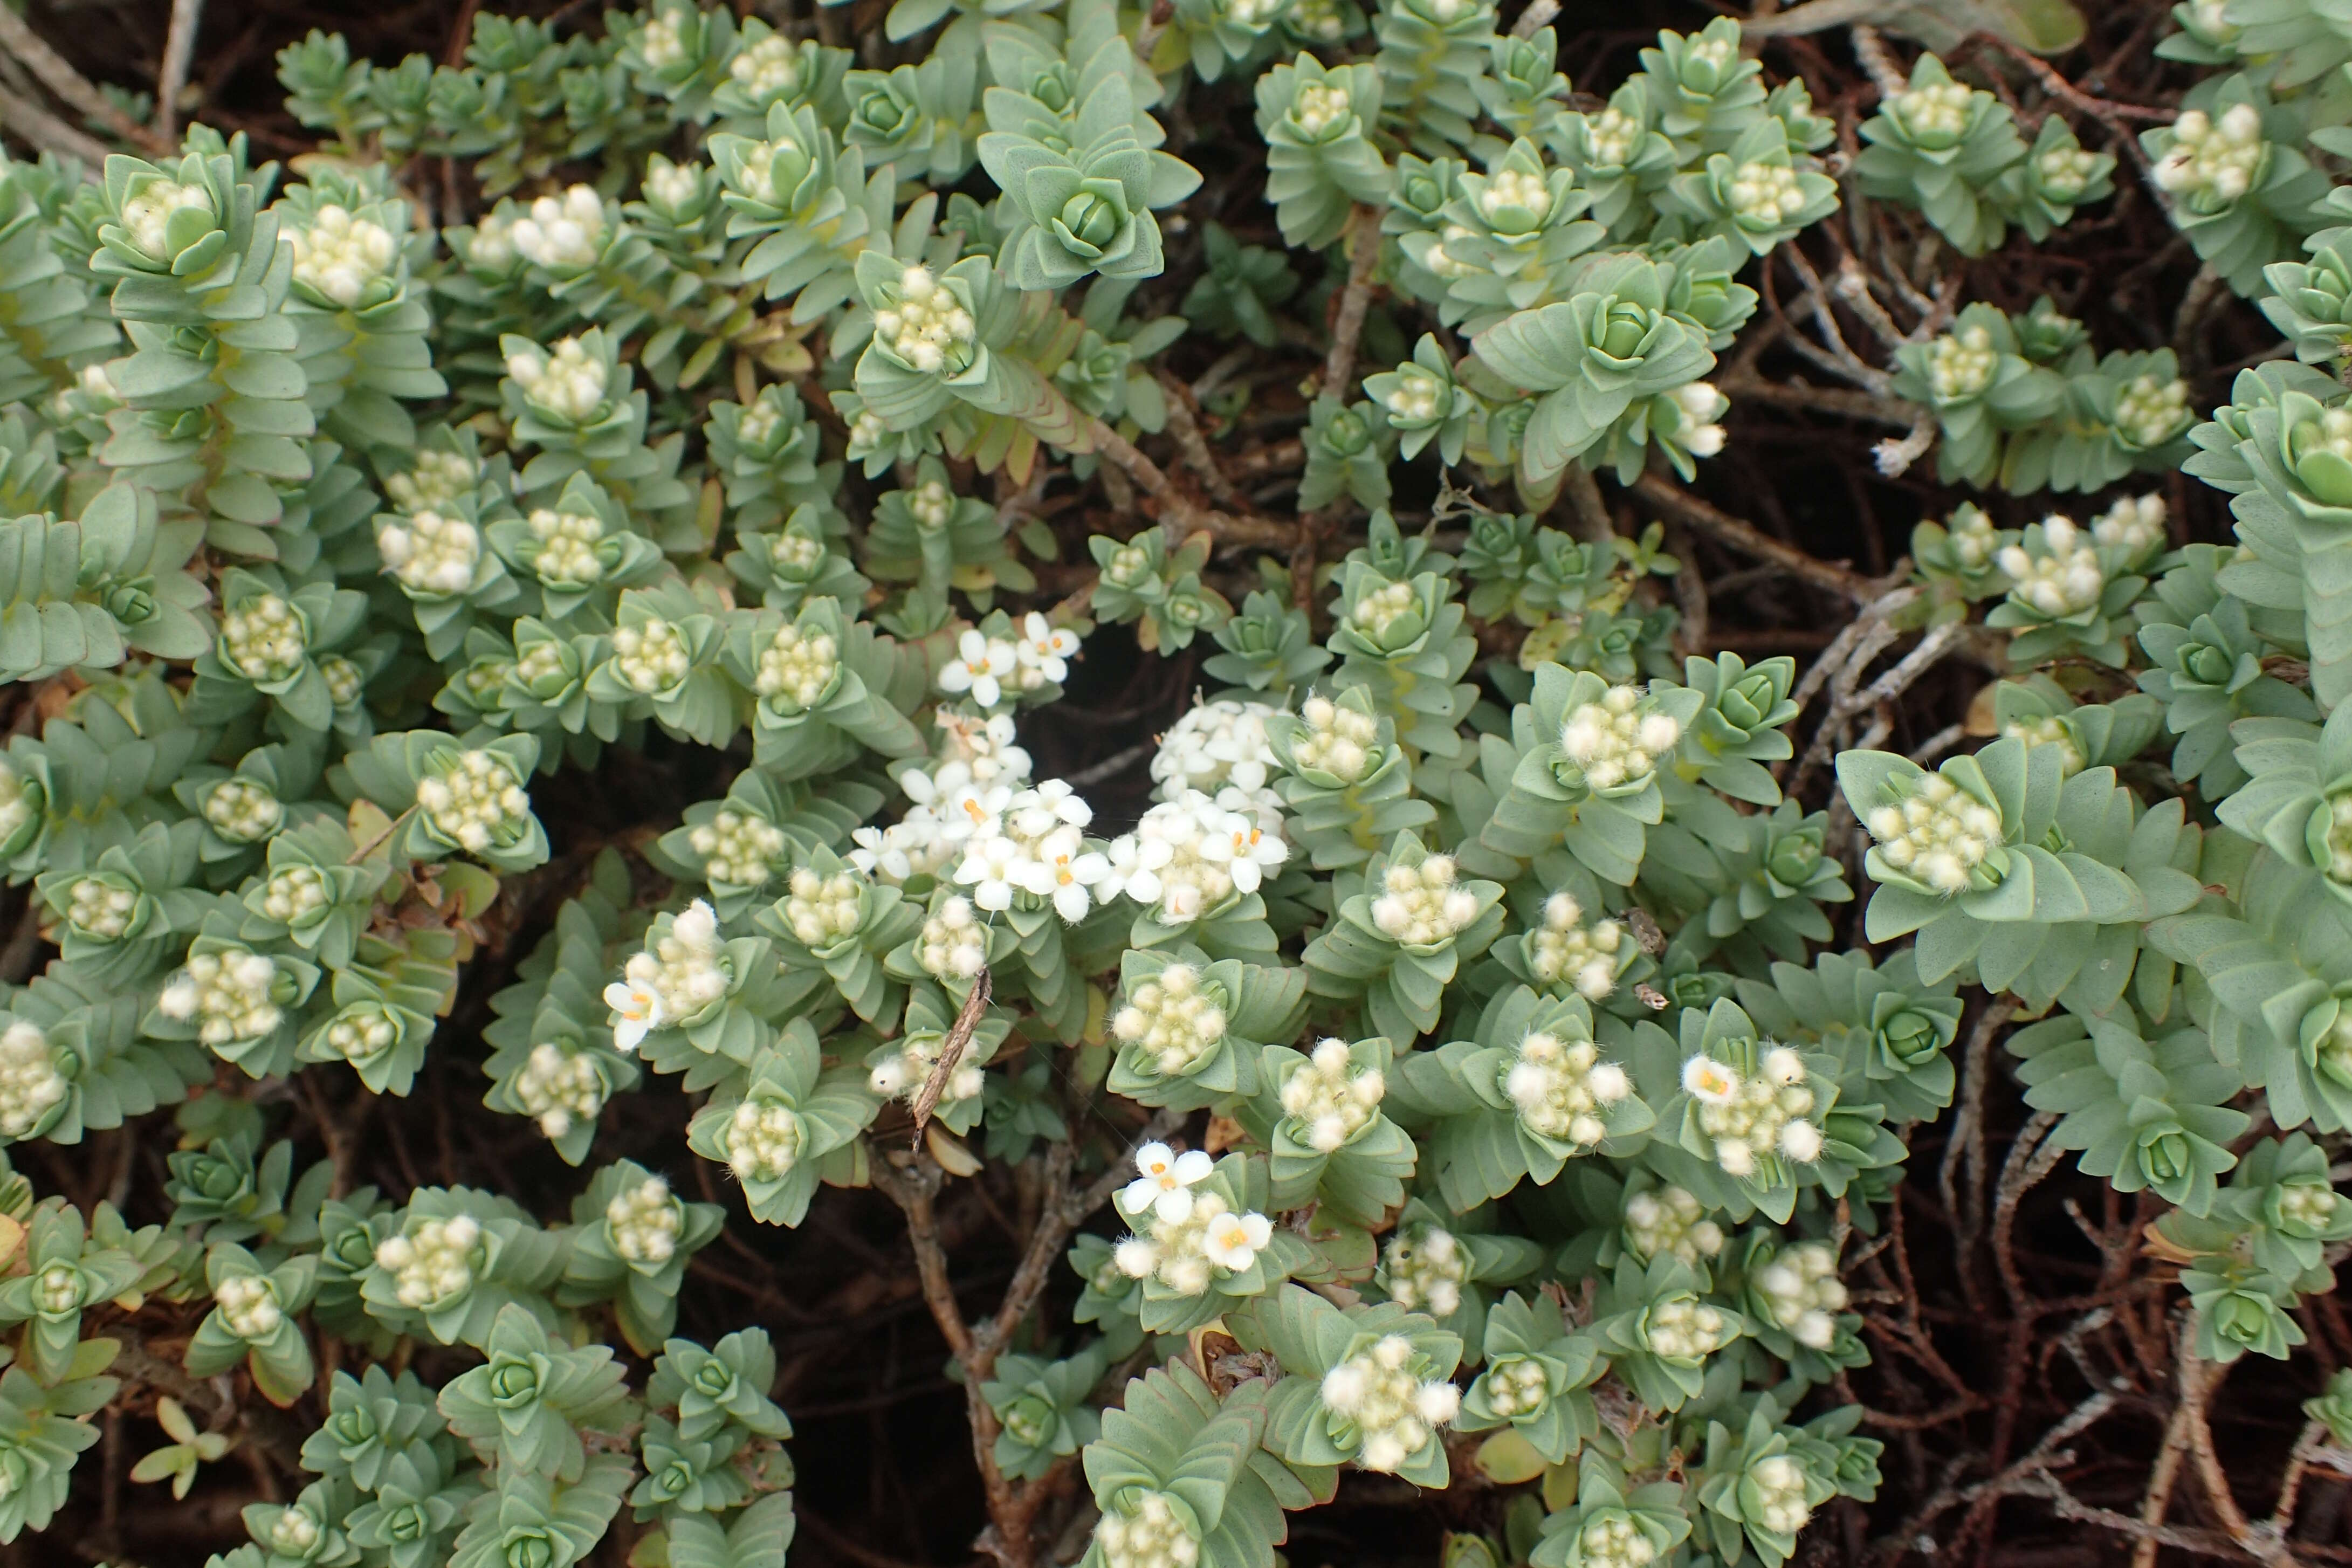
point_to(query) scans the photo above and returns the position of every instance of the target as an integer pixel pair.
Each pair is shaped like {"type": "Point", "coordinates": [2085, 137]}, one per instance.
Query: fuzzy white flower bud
{"type": "Point", "coordinates": [241, 810]}
{"type": "Point", "coordinates": [559, 1088]}
{"type": "Point", "coordinates": [1687, 1331]}
{"type": "Point", "coordinates": [1423, 905]}
{"type": "Point", "coordinates": [564, 234]}
{"type": "Point", "coordinates": [146, 216]}
{"type": "Point", "coordinates": [339, 255]}
{"type": "Point", "coordinates": [1937, 834]}
{"type": "Point", "coordinates": [432, 1260]}
{"type": "Point", "coordinates": [2213, 163]}
{"type": "Point", "coordinates": [1396, 1410]}
{"type": "Point", "coordinates": [249, 1307]}
{"type": "Point", "coordinates": [226, 993]}
{"type": "Point", "coordinates": [797, 669]}
{"type": "Point", "coordinates": [1801, 1290]}
{"type": "Point", "coordinates": [30, 1084]}
{"type": "Point", "coordinates": [953, 944]}
{"type": "Point", "coordinates": [1562, 1090]}
{"type": "Point", "coordinates": [1317, 106]}
{"type": "Point", "coordinates": [1777, 1483]}
{"type": "Point", "coordinates": [824, 911]}
{"type": "Point", "coordinates": [1563, 952]}
{"type": "Point", "coordinates": [2133, 526]}
{"type": "Point", "coordinates": [1147, 1532]}
{"type": "Point", "coordinates": [263, 638]}
{"type": "Point", "coordinates": [1424, 1272]}
{"type": "Point", "coordinates": [763, 1140]}
{"type": "Point", "coordinates": [568, 385]}
{"type": "Point", "coordinates": [738, 847]}
{"type": "Point", "coordinates": [2152, 410]}
{"type": "Point", "coordinates": [1171, 1020]}
{"type": "Point", "coordinates": [1339, 741]}
{"type": "Point", "coordinates": [645, 1223]}
{"type": "Point", "coordinates": [1960, 363]}
{"type": "Point", "coordinates": [1378, 612]}
{"type": "Point", "coordinates": [1765, 196]}
{"type": "Point", "coordinates": [650, 658]}
{"type": "Point", "coordinates": [1329, 1099]}
{"type": "Point", "coordinates": [686, 969]}
{"type": "Point", "coordinates": [1669, 1220]}
{"type": "Point", "coordinates": [1518, 188]}
{"type": "Point", "coordinates": [430, 553]}
{"type": "Point", "coordinates": [478, 801]}
{"type": "Point", "coordinates": [1746, 1118]}
{"type": "Point", "coordinates": [435, 479]}
{"type": "Point", "coordinates": [929, 330]}
{"type": "Point", "coordinates": [1615, 742]}
{"type": "Point", "coordinates": [767, 68]}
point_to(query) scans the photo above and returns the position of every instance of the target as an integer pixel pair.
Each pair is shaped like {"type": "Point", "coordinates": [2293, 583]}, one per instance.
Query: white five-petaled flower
{"type": "Point", "coordinates": [979, 668]}
{"type": "Point", "coordinates": [636, 1011]}
{"type": "Point", "coordinates": [1165, 1182]}
{"type": "Point", "coordinates": [1234, 1241]}
{"type": "Point", "coordinates": [1046, 649]}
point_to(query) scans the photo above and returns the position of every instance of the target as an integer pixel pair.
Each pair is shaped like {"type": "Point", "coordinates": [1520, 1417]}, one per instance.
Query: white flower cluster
{"type": "Point", "coordinates": [338, 256]}
{"type": "Point", "coordinates": [264, 639]}
{"type": "Point", "coordinates": [738, 847]}
{"type": "Point", "coordinates": [1684, 1330]}
{"type": "Point", "coordinates": [431, 552]}
{"type": "Point", "coordinates": [1703, 405]}
{"type": "Point", "coordinates": [1423, 905]}
{"type": "Point", "coordinates": [1215, 746]}
{"type": "Point", "coordinates": [432, 1262]}
{"type": "Point", "coordinates": [478, 800]}
{"type": "Point", "coordinates": [662, 41]}
{"type": "Point", "coordinates": [795, 554]}
{"type": "Point", "coordinates": [1515, 188]}
{"type": "Point", "coordinates": [569, 383]}
{"type": "Point", "coordinates": [1516, 1385]}
{"type": "Point", "coordinates": [294, 1533]}
{"type": "Point", "coordinates": [558, 1088]}
{"type": "Point", "coordinates": [2049, 730]}
{"type": "Point", "coordinates": [981, 667]}
{"type": "Point", "coordinates": [1171, 1020]}
{"type": "Point", "coordinates": [650, 658]}
{"type": "Point", "coordinates": [1564, 950]}
{"type": "Point", "coordinates": [1802, 1290]}
{"type": "Point", "coordinates": [902, 1074]}
{"type": "Point", "coordinates": [963, 795]}
{"type": "Point", "coordinates": [1613, 742]}
{"type": "Point", "coordinates": [1748, 1117]}
{"type": "Point", "coordinates": [1147, 1533]}
{"type": "Point", "coordinates": [1562, 1090]}
{"type": "Point", "coordinates": [248, 1306]}
{"type": "Point", "coordinates": [1935, 114]}
{"type": "Point", "coordinates": [1397, 1412]}
{"type": "Point", "coordinates": [146, 216]}
{"type": "Point", "coordinates": [361, 1036]}
{"type": "Point", "coordinates": [1253, 16]}
{"type": "Point", "coordinates": [759, 180]}
{"type": "Point", "coordinates": [931, 504]}
{"type": "Point", "coordinates": [1671, 1220]}
{"type": "Point", "coordinates": [1974, 539]}
{"type": "Point", "coordinates": [1317, 107]}
{"type": "Point", "coordinates": [953, 944]}
{"type": "Point", "coordinates": [227, 993]}
{"type": "Point", "coordinates": [59, 1288]}
{"type": "Point", "coordinates": [2306, 1205]}
{"type": "Point", "coordinates": [567, 541]}
{"type": "Point", "coordinates": [1766, 194]}
{"type": "Point", "coordinates": [1413, 399]}
{"type": "Point", "coordinates": [645, 1222]}
{"type": "Point", "coordinates": [1939, 834]}
{"type": "Point", "coordinates": [1339, 741]}
{"type": "Point", "coordinates": [763, 1140]}
{"type": "Point", "coordinates": [1190, 1234]}
{"type": "Point", "coordinates": [1035, 845]}
{"type": "Point", "coordinates": [435, 480]}
{"type": "Point", "coordinates": [930, 330]}
{"type": "Point", "coordinates": [1716, 55]}
{"type": "Point", "coordinates": [672, 188]}
{"type": "Point", "coordinates": [1330, 1097]}
{"type": "Point", "coordinates": [1780, 1483]}
{"type": "Point", "coordinates": [292, 894]}
{"type": "Point", "coordinates": [1188, 855]}
{"type": "Point", "coordinates": [242, 810]}
{"type": "Point", "coordinates": [2152, 410]}
{"type": "Point", "coordinates": [562, 234]}
{"type": "Point", "coordinates": [1960, 364]}
{"type": "Point", "coordinates": [30, 1084]}
{"type": "Point", "coordinates": [1378, 612]}
{"type": "Point", "coordinates": [1424, 1272]}
{"type": "Point", "coordinates": [100, 909]}
{"type": "Point", "coordinates": [767, 67]}
{"type": "Point", "coordinates": [797, 669]}
{"type": "Point", "coordinates": [1610, 136]}
{"type": "Point", "coordinates": [17, 808]}
{"type": "Point", "coordinates": [542, 661]}
{"type": "Point", "coordinates": [2213, 162]}
{"type": "Point", "coordinates": [822, 910]}
{"type": "Point", "coordinates": [1614, 1541]}
{"type": "Point", "coordinates": [2133, 526]}
{"type": "Point", "coordinates": [2065, 172]}
{"type": "Point", "coordinates": [670, 982]}
{"type": "Point", "coordinates": [492, 247]}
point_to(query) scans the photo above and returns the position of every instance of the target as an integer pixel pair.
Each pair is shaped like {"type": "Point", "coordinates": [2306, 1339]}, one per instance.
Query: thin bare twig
{"type": "Point", "coordinates": [1750, 539]}
{"type": "Point", "coordinates": [57, 74]}
{"type": "Point", "coordinates": [179, 49]}
{"type": "Point", "coordinates": [951, 1050]}
{"type": "Point", "coordinates": [46, 132]}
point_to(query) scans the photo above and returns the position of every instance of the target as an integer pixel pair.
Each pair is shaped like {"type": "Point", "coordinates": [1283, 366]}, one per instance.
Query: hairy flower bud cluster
{"type": "Point", "coordinates": [2214, 162]}
{"type": "Point", "coordinates": [1933, 114]}
{"type": "Point", "coordinates": [1775, 1486]}
{"type": "Point", "coordinates": [1745, 1118]}
{"type": "Point", "coordinates": [242, 810]}
{"type": "Point", "coordinates": [562, 234]}
{"type": "Point", "coordinates": [478, 801]}
{"type": "Point", "coordinates": [570, 384]}
{"type": "Point", "coordinates": [1397, 1411]}
{"type": "Point", "coordinates": [929, 330]}
{"type": "Point", "coordinates": [1319, 109]}
{"type": "Point", "coordinates": [1339, 741]}
{"type": "Point", "coordinates": [1939, 834]}
{"type": "Point", "coordinates": [1703, 405]}
{"type": "Point", "coordinates": [2065, 172]}
{"type": "Point", "coordinates": [227, 995]}
{"type": "Point", "coordinates": [1423, 906]}
{"type": "Point", "coordinates": [1147, 1532]}
{"type": "Point", "coordinates": [1330, 1097]}
{"type": "Point", "coordinates": [681, 973]}
{"type": "Point", "coordinates": [567, 555]}
{"type": "Point", "coordinates": [954, 945]}
{"type": "Point", "coordinates": [1214, 745]}
{"type": "Point", "coordinates": [1563, 950]}
{"type": "Point", "coordinates": [1687, 1331]}
{"type": "Point", "coordinates": [2152, 410]}
{"type": "Point", "coordinates": [1613, 742]}
{"type": "Point", "coordinates": [1413, 400]}
{"type": "Point", "coordinates": [339, 255]}
{"type": "Point", "coordinates": [100, 909]}
{"type": "Point", "coordinates": [18, 804]}
{"type": "Point", "coordinates": [1614, 1540]}
{"type": "Point", "coordinates": [824, 911]}
{"type": "Point", "coordinates": [434, 480]}
{"type": "Point", "coordinates": [432, 1262]}
{"type": "Point", "coordinates": [362, 1034]}
{"type": "Point", "coordinates": [295, 895]}
{"type": "Point", "coordinates": [1960, 364]}
{"type": "Point", "coordinates": [146, 216]}
{"type": "Point", "coordinates": [1801, 1290]}
{"type": "Point", "coordinates": [902, 1074]}
{"type": "Point", "coordinates": [559, 1088]}
{"type": "Point", "coordinates": [797, 669]}
{"type": "Point", "coordinates": [1424, 1271]}
{"type": "Point", "coordinates": [1379, 611]}
{"type": "Point", "coordinates": [249, 1307]}
{"type": "Point", "coordinates": [645, 1222]}
{"type": "Point", "coordinates": [431, 552]}
{"type": "Point", "coordinates": [1671, 1221]}
{"type": "Point", "coordinates": [650, 658]}
{"type": "Point", "coordinates": [30, 1084]}
{"type": "Point", "coordinates": [1562, 1090]}
{"type": "Point", "coordinates": [1172, 1020]}
{"type": "Point", "coordinates": [263, 638]}
{"type": "Point", "coordinates": [738, 847]}
{"type": "Point", "coordinates": [1766, 194]}
{"type": "Point", "coordinates": [767, 68]}
{"type": "Point", "coordinates": [763, 1140]}
{"type": "Point", "coordinates": [2134, 526]}
{"type": "Point", "coordinates": [1517, 1385]}
{"type": "Point", "coordinates": [2050, 730]}
{"type": "Point", "coordinates": [1515, 188]}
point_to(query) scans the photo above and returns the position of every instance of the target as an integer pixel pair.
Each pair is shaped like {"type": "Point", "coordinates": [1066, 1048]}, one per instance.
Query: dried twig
{"type": "Point", "coordinates": [179, 49]}
{"type": "Point", "coordinates": [46, 132]}
{"type": "Point", "coordinates": [57, 74]}
{"type": "Point", "coordinates": [1750, 539]}
{"type": "Point", "coordinates": [951, 1050]}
